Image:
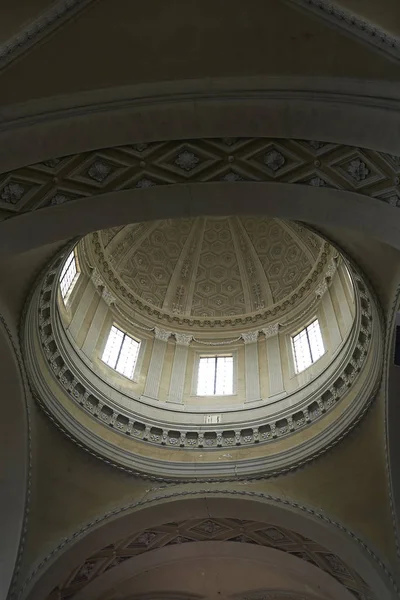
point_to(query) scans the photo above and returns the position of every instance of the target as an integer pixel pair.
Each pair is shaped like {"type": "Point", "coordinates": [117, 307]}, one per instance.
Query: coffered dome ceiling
{"type": "Point", "coordinates": [210, 268]}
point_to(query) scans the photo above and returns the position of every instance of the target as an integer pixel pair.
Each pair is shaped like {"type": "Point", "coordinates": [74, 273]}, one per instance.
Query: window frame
{"type": "Point", "coordinates": [292, 343]}
{"type": "Point", "coordinates": [195, 383]}
{"type": "Point", "coordinates": [71, 259]}
{"type": "Point", "coordinates": [125, 335]}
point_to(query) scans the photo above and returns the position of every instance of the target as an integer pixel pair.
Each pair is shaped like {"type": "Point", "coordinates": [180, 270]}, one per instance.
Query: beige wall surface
{"type": "Point", "coordinates": [115, 43]}
{"type": "Point", "coordinates": [17, 14]}
{"type": "Point", "coordinates": [348, 484]}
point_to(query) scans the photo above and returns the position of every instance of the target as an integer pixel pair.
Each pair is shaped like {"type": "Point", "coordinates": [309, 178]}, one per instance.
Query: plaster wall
{"type": "Point", "coordinates": [13, 20]}
{"type": "Point", "coordinates": [117, 44]}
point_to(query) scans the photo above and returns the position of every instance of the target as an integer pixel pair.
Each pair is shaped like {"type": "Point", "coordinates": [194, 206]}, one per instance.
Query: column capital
{"type": "Point", "coordinates": [321, 288]}
{"type": "Point", "coordinates": [271, 330]}
{"type": "Point", "coordinates": [108, 297]}
{"type": "Point", "coordinates": [96, 278]}
{"type": "Point", "coordinates": [250, 337]}
{"type": "Point", "coordinates": [183, 339]}
{"type": "Point", "coordinates": [162, 334]}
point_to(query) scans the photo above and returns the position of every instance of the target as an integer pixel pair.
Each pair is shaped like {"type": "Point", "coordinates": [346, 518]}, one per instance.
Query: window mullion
{"type": "Point", "coordinates": [215, 375]}
{"type": "Point", "coordinates": [66, 268]}
{"type": "Point", "coordinates": [309, 345]}
{"type": "Point", "coordinates": [120, 350]}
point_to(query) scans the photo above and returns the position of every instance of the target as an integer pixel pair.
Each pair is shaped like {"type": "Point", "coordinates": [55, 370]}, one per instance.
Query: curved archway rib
{"type": "Point", "coordinates": [191, 508]}
{"type": "Point", "coordinates": [14, 458]}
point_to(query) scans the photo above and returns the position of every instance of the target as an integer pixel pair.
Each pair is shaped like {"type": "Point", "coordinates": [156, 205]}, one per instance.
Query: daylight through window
{"type": "Point", "coordinates": [121, 352]}
{"type": "Point", "coordinates": [308, 346]}
{"type": "Point", "coordinates": [69, 275]}
{"type": "Point", "coordinates": [215, 376]}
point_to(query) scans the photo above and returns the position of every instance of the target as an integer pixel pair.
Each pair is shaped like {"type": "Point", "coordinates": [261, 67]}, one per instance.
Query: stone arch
{"type": "Point", "coordinates": [14, 455]}
{"type": "Point", "coordinates": [180, 558]}
{"type": "Point", "coordinates": [346, 111]}
{"type": "Point", "coordinates": [316, 206]}
{"type": "Point", "coordinates": [179, 506]}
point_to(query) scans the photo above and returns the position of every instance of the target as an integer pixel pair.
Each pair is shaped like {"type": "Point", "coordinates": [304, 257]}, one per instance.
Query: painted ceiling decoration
{"type": "Point", "coordinates": [61, 11]}
{"type": "Point", "coordinates": [214, 530]}
{"type": "Point", "coordinates": [228, 160]}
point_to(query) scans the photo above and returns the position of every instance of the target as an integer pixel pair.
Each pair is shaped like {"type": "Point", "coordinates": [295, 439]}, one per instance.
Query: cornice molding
{"type": "Point", "coordinates": [46, 23]}
{"type": "Point", "coordinates": [352, 24]}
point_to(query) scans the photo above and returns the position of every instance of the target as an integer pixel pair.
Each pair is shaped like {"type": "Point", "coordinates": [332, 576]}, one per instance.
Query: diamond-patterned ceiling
{"type": "Point", "coordinates": [211, 266]}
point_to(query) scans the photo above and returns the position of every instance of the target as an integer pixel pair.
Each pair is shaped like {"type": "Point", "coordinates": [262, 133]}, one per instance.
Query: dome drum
{"type": "Point", "coordinates": [130, 421]}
